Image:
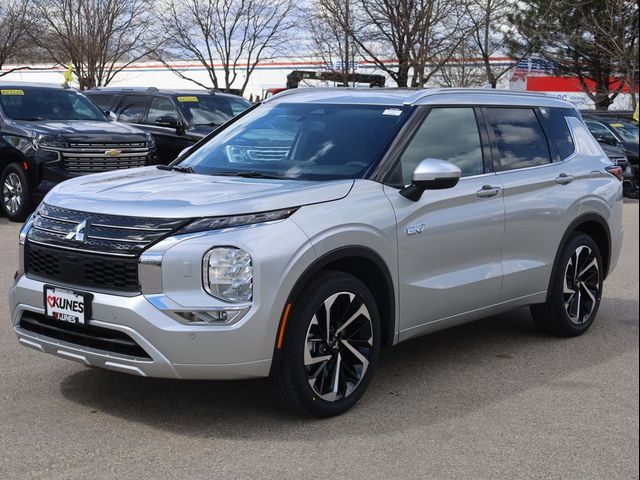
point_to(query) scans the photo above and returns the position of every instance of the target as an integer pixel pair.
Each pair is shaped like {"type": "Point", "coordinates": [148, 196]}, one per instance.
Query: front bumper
{"type": "Point", "coordinates": [177, 350]}
{"type": "Point", "coordinates": [170, 345]}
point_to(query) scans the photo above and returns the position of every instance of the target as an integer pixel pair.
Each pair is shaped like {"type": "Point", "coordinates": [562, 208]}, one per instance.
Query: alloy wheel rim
{"type": "Point", "coordinates": [12, 193]}
{"type": "Point", "coordinates": [581, 285]}
{"type": "Point", "coordinates": [338, 346]}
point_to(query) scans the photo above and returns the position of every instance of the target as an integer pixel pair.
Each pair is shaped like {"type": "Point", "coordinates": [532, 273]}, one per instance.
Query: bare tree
{"type": "Point", "coordinates": [438, 36]}
{"type": "Point", "coordinates": [386, 31]}
{"type": "Point", "coordinates": [491, 33]}
{"type": "Point", "coordinates": [14, 23]}
{"type": "Point", "coordinates": [462, 70]}
{"type": "Point", "coordinates": [616, 30]}
{"type": "Point", "coordinates": [99, 37]}
{"type": "Point", "coordinates": [399, 36]}
{"type": "Point", "coordinates": [232, 35]}
{"type": "Point", "coordinates": [331, 26]}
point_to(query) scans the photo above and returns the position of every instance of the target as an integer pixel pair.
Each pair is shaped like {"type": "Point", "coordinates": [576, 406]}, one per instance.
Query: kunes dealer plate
{"type": "Point", "coordinates": [66, 305]}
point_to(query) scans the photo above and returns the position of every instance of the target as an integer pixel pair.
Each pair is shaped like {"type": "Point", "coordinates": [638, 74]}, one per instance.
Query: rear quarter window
{"type": "Point", "coordinates": [558, 132]}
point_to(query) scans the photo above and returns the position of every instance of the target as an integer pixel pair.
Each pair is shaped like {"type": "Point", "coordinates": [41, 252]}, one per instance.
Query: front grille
{"type": "Point", "coordinates": [91, 250]}
{"type": "Point", "coordinates": [103, 157]}
{"type": "Point", "coordinates": [104, 234]}
{"type": "Point", "coordinates": [99, 338]}
{"type": "Point", "coordinates": [83, 269]}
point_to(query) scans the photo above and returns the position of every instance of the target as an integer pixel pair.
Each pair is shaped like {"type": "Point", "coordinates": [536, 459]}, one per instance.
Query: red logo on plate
{"type": "Point", "coordinates": [51, 301]}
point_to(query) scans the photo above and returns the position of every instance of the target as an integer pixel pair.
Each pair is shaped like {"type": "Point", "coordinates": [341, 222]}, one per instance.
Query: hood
{"type": "Point", "coordinates": [150, 192]}
{"type": "Point", "coordinates": [81, 130]}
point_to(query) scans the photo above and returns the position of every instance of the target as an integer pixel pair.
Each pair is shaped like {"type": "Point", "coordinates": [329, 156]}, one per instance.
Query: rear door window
{"type": "Point", "coordinates": [132, 108]}
{"type": "Point", "coordinates": [518, 138]}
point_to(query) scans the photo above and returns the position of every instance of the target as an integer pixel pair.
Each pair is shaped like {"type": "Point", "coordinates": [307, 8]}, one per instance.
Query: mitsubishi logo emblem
{"type": "Point", "coordinates": [77, 233]}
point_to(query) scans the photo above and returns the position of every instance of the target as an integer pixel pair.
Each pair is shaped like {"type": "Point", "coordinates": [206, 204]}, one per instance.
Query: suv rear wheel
{"type": "Point", "coordinates": [576, 289]}
{"type": "Point", "coordinates": [331, 346]}
{"type": "Point", "coordinates": [15, 195]}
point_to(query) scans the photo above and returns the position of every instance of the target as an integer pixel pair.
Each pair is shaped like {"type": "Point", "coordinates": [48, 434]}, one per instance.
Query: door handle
{"type": "Point", "coordinates": [564, 179]}
{"type": "Point", "coordinates": [489, 191]}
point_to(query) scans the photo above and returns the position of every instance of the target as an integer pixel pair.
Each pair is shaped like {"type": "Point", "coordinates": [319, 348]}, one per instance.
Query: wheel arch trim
{"type": "Point", "coordinates": [342, 253]}
{"type": "Point", "coordinates": [574, 227]}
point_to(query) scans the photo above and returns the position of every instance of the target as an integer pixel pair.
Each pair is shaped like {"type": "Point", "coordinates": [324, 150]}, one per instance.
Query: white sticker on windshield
{"type": "Point", "coordinates": [396, 112]}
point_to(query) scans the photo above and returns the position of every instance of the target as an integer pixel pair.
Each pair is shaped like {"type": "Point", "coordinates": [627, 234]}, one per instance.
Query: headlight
{"type": "Point", "coordinates": [215, 223]}
{"type": "Point", "coordinates": [19, 143]}
{"type": "Point", "coordinates": [47, 142]}
{"type": "Point", "coordinates": [151, 142]}
{"type": "Point", "coordinates": [227, 274]}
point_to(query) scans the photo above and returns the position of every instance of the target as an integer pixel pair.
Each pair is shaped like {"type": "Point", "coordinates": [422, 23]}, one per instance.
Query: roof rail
{"type": "Point", "coordinates": [493, 91]}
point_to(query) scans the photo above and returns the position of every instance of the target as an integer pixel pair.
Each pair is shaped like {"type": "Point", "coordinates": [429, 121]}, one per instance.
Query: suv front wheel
{"type": "Point", "coordinates": [330, 347]}
{"type": "Point", "coordinates": [14, 193]}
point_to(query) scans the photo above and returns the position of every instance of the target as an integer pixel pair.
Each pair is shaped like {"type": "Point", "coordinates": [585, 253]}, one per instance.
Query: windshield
{"type": "Point", "coordinates": [31, 104]}
{"type": "Point", "coordinates": [627, 131]}
{"type": "Point", "coordinates": [300, 141]}
{"type": "Point", "coordinates": [210, 110]}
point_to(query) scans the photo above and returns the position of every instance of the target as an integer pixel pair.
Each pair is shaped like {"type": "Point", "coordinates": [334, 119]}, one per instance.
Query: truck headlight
{"type": "Point", "coordinates": [47, 142]}
{"type": "Point", "coordinates": [151, 142]}
{"type": "Point", "coordinates": [227, 274]}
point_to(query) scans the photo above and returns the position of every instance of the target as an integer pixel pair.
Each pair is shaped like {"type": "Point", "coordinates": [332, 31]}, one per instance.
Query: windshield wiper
{"type": "Point", "coordinates": [209, 124]}
{"type": "Point", "coordinates": [29, 119]}
{"type": "Point", "coordinates": [183, 169]}
{"type": "Point", "coordinates": [250, 174]}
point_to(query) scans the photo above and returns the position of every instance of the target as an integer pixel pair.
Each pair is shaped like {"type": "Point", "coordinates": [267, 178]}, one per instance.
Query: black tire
{"type": "Point", "coordinates": [569, 314]}
{"type": "Point", "coordinates": [291, 377]}
{"type": "Point", "coordinates": [15, 194]}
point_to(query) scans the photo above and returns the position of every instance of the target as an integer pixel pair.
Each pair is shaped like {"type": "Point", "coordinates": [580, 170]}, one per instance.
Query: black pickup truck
{"type": "Point", "coordinates": [49, 134]}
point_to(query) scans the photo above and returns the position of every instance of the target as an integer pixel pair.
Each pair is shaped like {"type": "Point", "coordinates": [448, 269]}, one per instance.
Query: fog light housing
{"type": "Point", "coordinates": [225, 316]}
{"type": "Point", "coordinates": [227, 274]}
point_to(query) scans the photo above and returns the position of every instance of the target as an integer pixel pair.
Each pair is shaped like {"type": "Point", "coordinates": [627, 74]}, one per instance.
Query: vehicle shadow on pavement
{"type": "Point", "coordinates": [418, 383]}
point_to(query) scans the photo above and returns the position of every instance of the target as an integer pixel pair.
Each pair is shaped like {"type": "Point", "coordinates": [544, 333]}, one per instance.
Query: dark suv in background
{"type": "Point", "coordinates": [620, 134]}
{"type": "Point", "coordinates": [176, 118]}
{"type": "Point", "coordinates": [49, 134]}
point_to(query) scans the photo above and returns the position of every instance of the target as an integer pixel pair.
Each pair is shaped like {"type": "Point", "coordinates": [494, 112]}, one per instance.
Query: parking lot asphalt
{"type": "Point", "coordinates": [491, 399]}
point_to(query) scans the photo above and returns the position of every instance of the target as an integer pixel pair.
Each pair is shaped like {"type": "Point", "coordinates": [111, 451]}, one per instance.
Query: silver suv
{"type": "Point", "coordinates": [318, 227]}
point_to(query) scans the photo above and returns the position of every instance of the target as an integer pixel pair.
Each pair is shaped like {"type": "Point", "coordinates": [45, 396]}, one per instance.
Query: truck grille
{"type": "Point", "coordinates": [91, 250]}
{"type": "Point", "coordinates": [91, 336]}
{"type": "Point", "coordinates": [102, 157]}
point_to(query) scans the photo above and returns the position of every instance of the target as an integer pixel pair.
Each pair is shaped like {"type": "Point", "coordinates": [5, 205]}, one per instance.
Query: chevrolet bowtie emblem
{"type": "Point", "coordinates": [112, 153]}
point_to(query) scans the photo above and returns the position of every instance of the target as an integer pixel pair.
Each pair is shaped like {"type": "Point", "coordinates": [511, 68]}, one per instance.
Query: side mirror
{"type": "Point", "coordinates": [609, 140]}
{"type": "Point", "coordinates": [431, 174]}
{"type": "Point", "coordinates": [168, 121]}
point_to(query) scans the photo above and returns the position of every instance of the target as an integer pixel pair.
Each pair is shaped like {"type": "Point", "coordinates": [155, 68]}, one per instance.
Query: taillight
{"type": "Point", "coordinates": [616, 171]}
